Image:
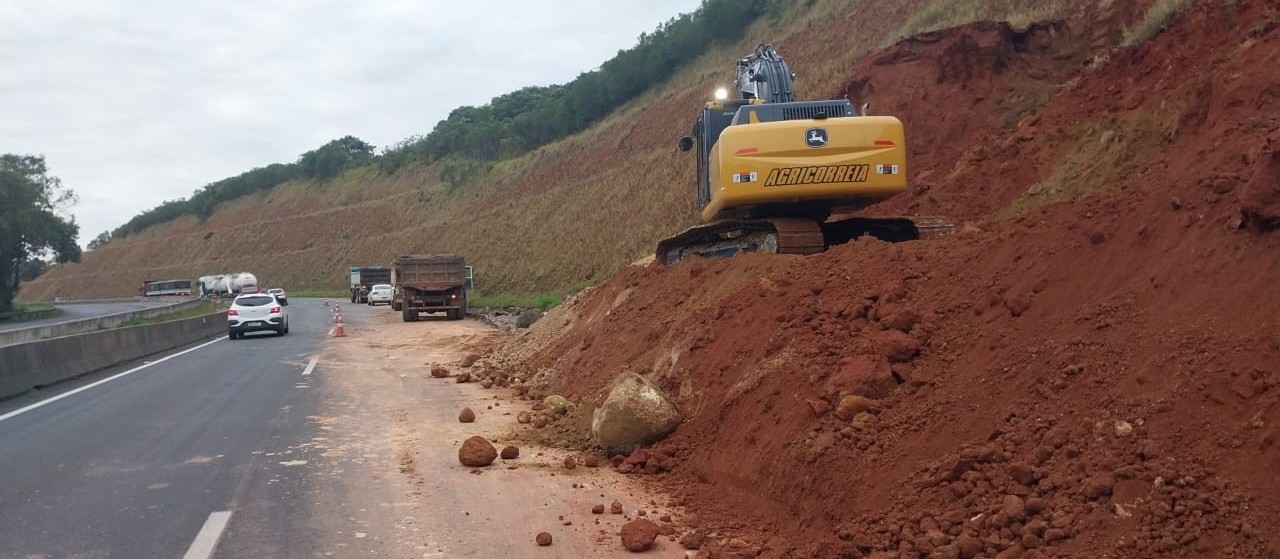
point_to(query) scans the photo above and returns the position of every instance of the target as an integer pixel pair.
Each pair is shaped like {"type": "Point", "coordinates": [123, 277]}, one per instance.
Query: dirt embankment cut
{"type": "Point", "coordinates": [1087, 369]}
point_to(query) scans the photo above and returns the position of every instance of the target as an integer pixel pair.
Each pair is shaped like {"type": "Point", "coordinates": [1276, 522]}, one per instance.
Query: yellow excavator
{"type": "Point", "coordinates": [772, 171]}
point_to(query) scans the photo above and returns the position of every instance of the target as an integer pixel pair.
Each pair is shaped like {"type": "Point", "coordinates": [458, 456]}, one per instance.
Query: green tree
{"type": "Point", "coordinates": [102, 239]}
{"type": "Point", "coordinates": [31, 269]}
{"type": "Point", "coordinates": [30, 227]}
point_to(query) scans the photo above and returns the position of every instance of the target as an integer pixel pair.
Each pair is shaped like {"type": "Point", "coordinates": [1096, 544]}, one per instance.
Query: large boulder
{"type": "Point", "coordinates": [476, 452]}
{"type": "Point", "coordinates": [634, 414]}
{"type": "Point", "coordinates": [638, 535]}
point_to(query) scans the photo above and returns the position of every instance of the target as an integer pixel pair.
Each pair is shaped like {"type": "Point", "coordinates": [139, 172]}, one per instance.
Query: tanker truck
{"type": "Point", "coordinates": [222, 285]}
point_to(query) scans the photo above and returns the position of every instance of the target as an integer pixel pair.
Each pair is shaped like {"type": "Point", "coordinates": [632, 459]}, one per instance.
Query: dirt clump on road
{"type": "Point", "coordinates": [1088, 364]}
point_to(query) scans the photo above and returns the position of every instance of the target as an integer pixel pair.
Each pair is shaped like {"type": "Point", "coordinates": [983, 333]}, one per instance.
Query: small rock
{"type": "Point", "coordinates": [486, 383]}
{"type": "Point", "coordinates": [819, 407]}
{"type": "Point", "coordinates": [557, 404]}
{"type": "Point", "coordinates": [1097, 237]}
{"type": "Point", "coordinates": [439, 372]}
{"type": "Point", "coordinates": [896, 346]}
{"type": "Point", "coordinates": [615, 508]}
{"type": "Point", "coordinates": [591, 461]}
{"type": "Point", "coordinates": [945, 552]}
{"type": "Point", "coordinates": [462, 377]}
{"type": "Point", "coordinates": [524, 417]}
{"type": "Point", "coordinates": [1014, 508]}
{"type": "Point", "coordinates": [1017, 304]}
{"type": "Point", "coordinates": [969, 546]}
{"type": "Point", "coordinates": [1097, 487]}
{"type": "Point", "coordinates": [466, 416]}
{"type": "Point", "coordinates": [477, 452]}
{"type": "Point", "coordinates": [664, 518]}
{"type": "Point", "coordinates": [469, 360]}
{"type": "Point", "coordinates": [543, 539]}
{"type": "Point", "coordinates": [638, 535]}
{"type": "Point", "coordinates": [1022, 473]}
{"type": "Point", "coordinates": [693, 540]}
{"type": "Point", "coordinates": [570, 463]}
{"type": "Point", "coordinates": [852, 405]}
{"type": "Point", "coordinates": [598, 509]}
{"type": "Point", "coordinates": [540, 422]}
{"type": "Point", "coordinates": [1123, 428]}
{"type": "Point", "coordinates": [510, 452]}
{"type": "Point", "coordinates": [902, 321]}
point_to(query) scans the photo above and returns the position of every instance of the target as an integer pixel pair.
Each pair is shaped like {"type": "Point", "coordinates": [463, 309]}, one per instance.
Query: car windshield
{"type": "Point", "coordinates": [254, 301]}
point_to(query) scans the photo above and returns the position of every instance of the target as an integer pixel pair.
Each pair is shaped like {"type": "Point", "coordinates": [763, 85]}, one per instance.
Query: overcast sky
{"type": "Point", "coordinates": [133, 102]}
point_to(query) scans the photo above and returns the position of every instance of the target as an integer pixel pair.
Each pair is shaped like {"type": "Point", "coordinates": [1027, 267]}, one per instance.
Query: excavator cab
{"type": "Point", "coordinates": [715, 117]}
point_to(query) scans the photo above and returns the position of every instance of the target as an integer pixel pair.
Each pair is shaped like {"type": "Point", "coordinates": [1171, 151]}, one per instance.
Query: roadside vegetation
{"type": "Point", "coordinates": [1158, 17]}
{"type": "Point", "coordinates": [950, 13]}
{"type": "Point", "coordinates": [29, 311]}
{"type": "Point", "coordinates": [204, 308]}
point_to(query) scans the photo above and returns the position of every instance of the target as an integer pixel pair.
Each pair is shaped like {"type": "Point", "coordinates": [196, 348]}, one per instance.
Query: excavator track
{"type": "Point", "coordinates": [726, 238]}
{"type": "Point", "coordinates": [729, 237]}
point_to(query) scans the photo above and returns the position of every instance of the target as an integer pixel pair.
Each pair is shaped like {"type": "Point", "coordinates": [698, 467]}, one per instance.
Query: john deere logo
{"type": "Point", "coordinates": [816, 137]}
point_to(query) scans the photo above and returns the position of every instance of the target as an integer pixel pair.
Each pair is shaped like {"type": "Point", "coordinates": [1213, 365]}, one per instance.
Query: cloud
{"type": "Point", "coordinates": [137, 102]}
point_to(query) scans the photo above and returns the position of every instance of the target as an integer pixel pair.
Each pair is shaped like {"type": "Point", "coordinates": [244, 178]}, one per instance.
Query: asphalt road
{"type": "Point", "coordinates": [81, 311]}
{"type": "Point", "coordinates": [148, 464]}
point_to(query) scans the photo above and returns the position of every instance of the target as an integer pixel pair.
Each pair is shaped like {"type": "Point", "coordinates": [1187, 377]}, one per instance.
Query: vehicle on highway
{"type": "Point", "coordinates": [152, 288]}
{"type": "Point", "coordinates": [431, 283]}
{"type": "Point", "coordinates": [363, 278]}
{"type": "Point", "coordinates": [256, 312]}
{"type": "Point", "coordinates": [280, 294]}
{"type": "Point", "coordinates": [380, 293]}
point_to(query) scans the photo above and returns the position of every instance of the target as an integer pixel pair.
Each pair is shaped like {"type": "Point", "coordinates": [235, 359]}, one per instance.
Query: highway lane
{"type": "Point", "coordinates": [80, 311]}
{"type": "Point", "coordinates": [134, 467]}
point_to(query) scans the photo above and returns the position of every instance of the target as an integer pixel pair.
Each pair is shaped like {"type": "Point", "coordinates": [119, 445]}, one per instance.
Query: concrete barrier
{"type": "Point", "coordinates": [84, 325]}
{"type": "Point", "coordinates": [30, 365]}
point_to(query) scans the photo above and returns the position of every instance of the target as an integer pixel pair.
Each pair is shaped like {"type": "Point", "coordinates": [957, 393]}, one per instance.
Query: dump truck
{"type": "Point", "coordinates": [430, 283]}
{"type": "Point", "coordinates": [365, 277]}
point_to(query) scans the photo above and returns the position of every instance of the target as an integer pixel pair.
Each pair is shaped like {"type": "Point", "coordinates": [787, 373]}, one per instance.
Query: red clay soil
{"type": "Point", "coordinates": [1090, 368]}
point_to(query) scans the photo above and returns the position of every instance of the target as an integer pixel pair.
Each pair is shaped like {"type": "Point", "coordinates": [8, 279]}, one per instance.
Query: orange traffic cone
{"type": "Point", "coordinates": [338, 331]}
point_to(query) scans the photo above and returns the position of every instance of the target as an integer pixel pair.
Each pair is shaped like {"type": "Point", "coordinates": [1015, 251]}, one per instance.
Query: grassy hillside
{"type": "Point", "coordinates": [570, 212]}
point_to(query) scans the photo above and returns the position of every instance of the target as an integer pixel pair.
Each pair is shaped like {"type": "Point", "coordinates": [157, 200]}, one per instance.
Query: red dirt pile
{"type": "Point", "coordinates": [1089, 368]}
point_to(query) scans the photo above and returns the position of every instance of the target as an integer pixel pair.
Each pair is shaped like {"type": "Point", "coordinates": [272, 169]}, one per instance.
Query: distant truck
{"type": "Point", "coordinates": [365, 277]}
{"type": "Point", "coordinates": [430, 283]}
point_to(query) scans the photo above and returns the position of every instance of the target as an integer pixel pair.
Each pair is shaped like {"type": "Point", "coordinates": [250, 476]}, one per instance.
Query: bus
{"type": "Point", "coordinates": [165, 288]}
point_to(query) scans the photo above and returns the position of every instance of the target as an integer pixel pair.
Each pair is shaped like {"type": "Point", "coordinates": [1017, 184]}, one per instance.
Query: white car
{"type": "Point", "coordinates": [381, 293]}
{"type": "Point", "coordinates": [255, 312]}
{"type": "Point", "coordinates": [280, 294]}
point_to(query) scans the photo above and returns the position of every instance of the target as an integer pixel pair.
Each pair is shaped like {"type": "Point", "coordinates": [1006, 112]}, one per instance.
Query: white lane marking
{"type": "Point", "coordinates": [207, 540]}
{"type": "Point", "coordinates": [69, 393]}
{"type": "Point", "coordinates": [310, 367]}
